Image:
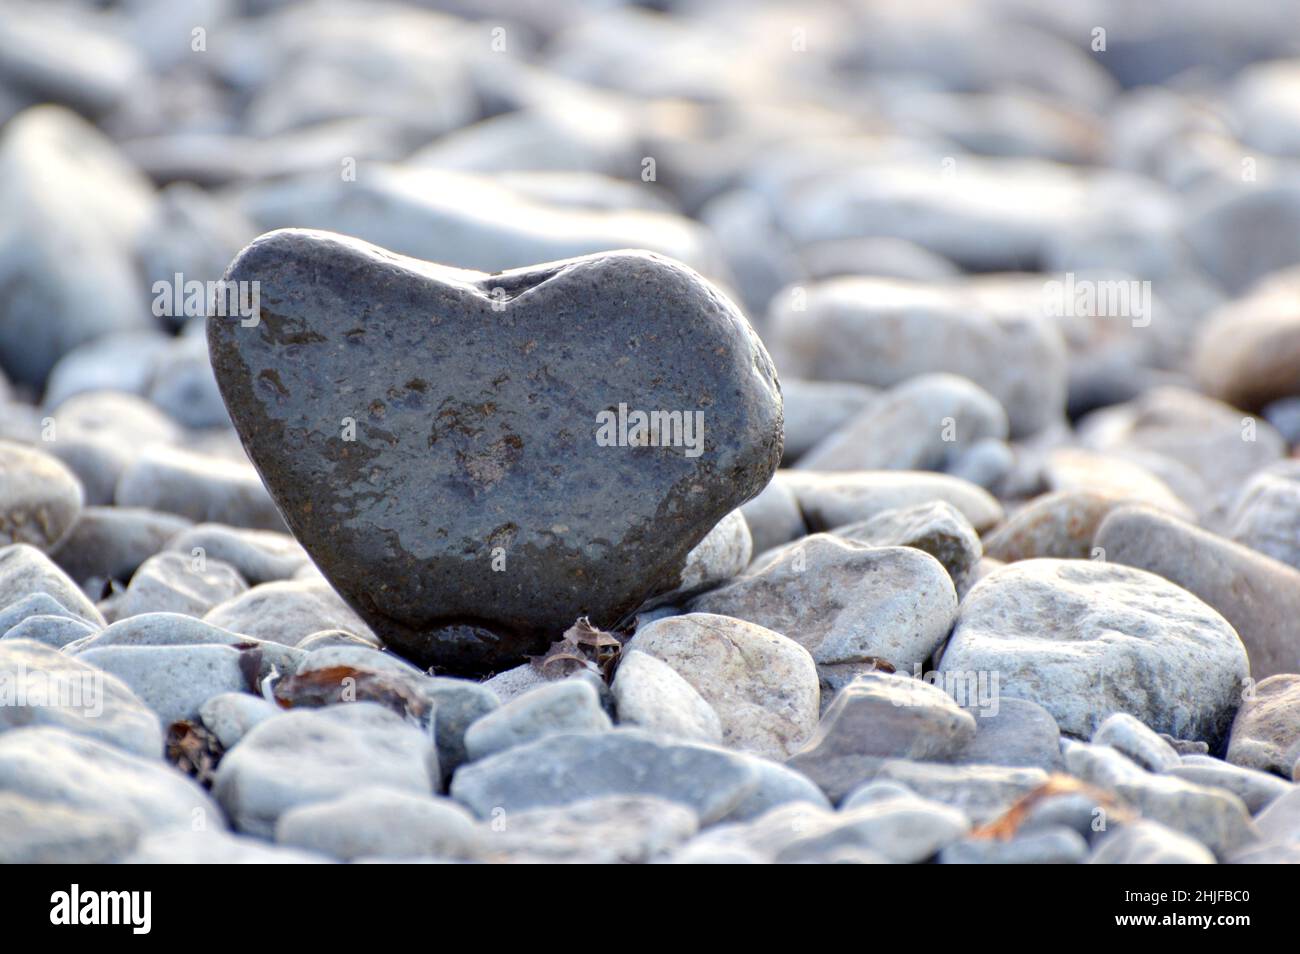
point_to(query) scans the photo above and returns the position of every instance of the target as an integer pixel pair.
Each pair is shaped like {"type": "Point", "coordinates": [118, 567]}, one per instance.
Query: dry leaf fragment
{"type": "Point", "coordinates": [583, 646]}
{"type": "Point", "coordinates": [324, 687]}
{"type": "Point", "coordinates": [194, 750]}
{"type": "Point", "coordinates": [1004, 828]}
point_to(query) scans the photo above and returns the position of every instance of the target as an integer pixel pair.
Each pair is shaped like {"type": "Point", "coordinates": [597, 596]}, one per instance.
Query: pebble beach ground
{"type": "Point", "coordinates": [717, 433]}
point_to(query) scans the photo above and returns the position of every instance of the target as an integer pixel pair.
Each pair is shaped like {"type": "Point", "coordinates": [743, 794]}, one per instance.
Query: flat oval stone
{"type": "Point", "coordinates": [459, 453]}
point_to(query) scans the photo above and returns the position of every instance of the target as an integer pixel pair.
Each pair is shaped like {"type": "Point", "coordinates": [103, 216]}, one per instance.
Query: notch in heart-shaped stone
{"type": "Point", "coordinates": [473, 460]}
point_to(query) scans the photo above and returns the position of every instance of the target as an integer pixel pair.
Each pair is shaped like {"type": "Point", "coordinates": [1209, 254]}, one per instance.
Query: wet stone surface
{"type": "Point", "coordinates": [415, 423]}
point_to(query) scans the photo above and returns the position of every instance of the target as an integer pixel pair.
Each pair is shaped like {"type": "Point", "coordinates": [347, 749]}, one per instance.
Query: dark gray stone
{"type": "Point", "coordinates": [475, 401]}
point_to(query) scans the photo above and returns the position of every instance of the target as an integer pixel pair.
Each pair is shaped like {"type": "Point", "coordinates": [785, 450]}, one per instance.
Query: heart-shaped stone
{"type": "Point", "coordinates": [476, 460]}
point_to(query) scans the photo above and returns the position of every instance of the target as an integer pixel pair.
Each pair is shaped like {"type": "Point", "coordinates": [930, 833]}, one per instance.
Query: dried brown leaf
{"type": "Point", "coordinates": [324, 687]}
{"type": "Point", "coordinates": [194, 750]}
{"type": "Point", "coordinates": [1005, 827]}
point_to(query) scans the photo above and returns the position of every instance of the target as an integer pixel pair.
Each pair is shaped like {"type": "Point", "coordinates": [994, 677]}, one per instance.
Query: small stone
{"type": "Point", "coordinates": [99, 434]}
{"type": "Point", "coordinates": [1185, 746]}
{"type": "Point", "coordinates": [774, 517]}
{"type": "Point", "coordinates": [1126, 734]}
{"type": "Point", "coordinates": [762, 685]}
{"type": "Point", "coordinates": [183, 384]}
{"type": "Point", "coordinates": [1279, 823]}
{"type": "Point", "coordinates": [36, 605]}
{"type": "Point", "coordinates": [64, 183]}
{"type": "Point", "coordinates": [651, 695]}
{"type": "Point", "coordinates": [110, 543]}
{"type": "Point", "coordinates": [983, 793]}
{"type": "Point", "coordinates": [1147, 842]}
{"type": "Point", "coordinates": [921, 424]}
{"type": "Point", "coordinates": [1257, 789]}
{"type": "Point", "coordinates": [1192, 442]}
{"type": "Point", "coordinates": [881, 332]}
{"type": "Point", "coordinates": [1266, 513]}
{"type": "Point", "coordinates": [183, 846]}
{"type": "Point", "coordinates": [165, 629]}
{"type": "Point", "coordinates": [230, 715]}
{"type": "Point", "coordinates": [723, 553]}
{"type": "Point", "coordinates": [1032, 623]}
{"type": "Point", "coordinates": [1214, 817]}
{"type": "Point", "coordinates": [1266, 732]}
{"type": "Point", "coordinates": [1086, 811]}
{"type": "Point", "coordinates": [54, 767]}
{"type": "Point", "coordinates": [1018, 732]}
{"type": "Point", "coordinates": [612, 829]}
{"type": "Point", "coordinates": [313, 755]}
{"type": "Point", "coordinates": [515, 681]}
{"type": "Point", "coordinates": [1284, 415]}
{"type": "Point", "coordinates": [199, 487]}
{"type": "Point", "coordinates": [561, 769]}
{"type": "Point", "coordinates": [39, 833]}
{"type": "Point", "coordinates": [1248, 352]}
{"type": "Point", "coordinates": [287, 611]}
{"type": "Point", "coordinates": [880, 716]}
{"type": "Point", "coordinates": [1260, 597]}
{"type": "Point", "coordinates": [40, 686]}
{"type": "Point", "coordinates": [335, 637]}
{"type": "Point", "coordinates": [115, 362]}
{"type": "Point", "coordinates": [465, 220]}
{"type": "Point", "coordinates": [40, 498]}
{"type": "Point", "coordinates": [1060, 525]}
{"type": "Point", "coordinates": [53, 631]}
{"type": "Point", "coordinates": [832, 500]}
{"type": "Point", "coordinates": [1072, 468]}
{"type": "Point", "coordinates": [485, 470]}
{"type": "Point", "coordinates": [458, 704]}
{"type": "Point", "coordinates": [567, 706]}
{"type": "Point", "coordinates": [938, 529]}
{"type": "Point", "coordinates": [844, 602]}
{"type": "Point", "coordinates": [902, 831]}
{"type": "Point", "coordinates": [816, 409]}
{"type": "Point", "coordinates": [173, 681]}
{"type": "Point", "coordinates": [24, 570]}
{"type": "Point", "coordinates": [1047, 846]}
{"type": "Point", "coordinates": [986, 463]}
{"type": "Point", "coordinates": [382, 823]}
{"type": "Point", "coordinates": [777, 785]}
{"type": "Point", "coordinates": [260, 556]}
{"type": "Point", "coordinates": [174, 583]}
{"type": "Point", "coordinates": [878, 789]}
{"type": "Point", "coordinates": [453, 704]}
